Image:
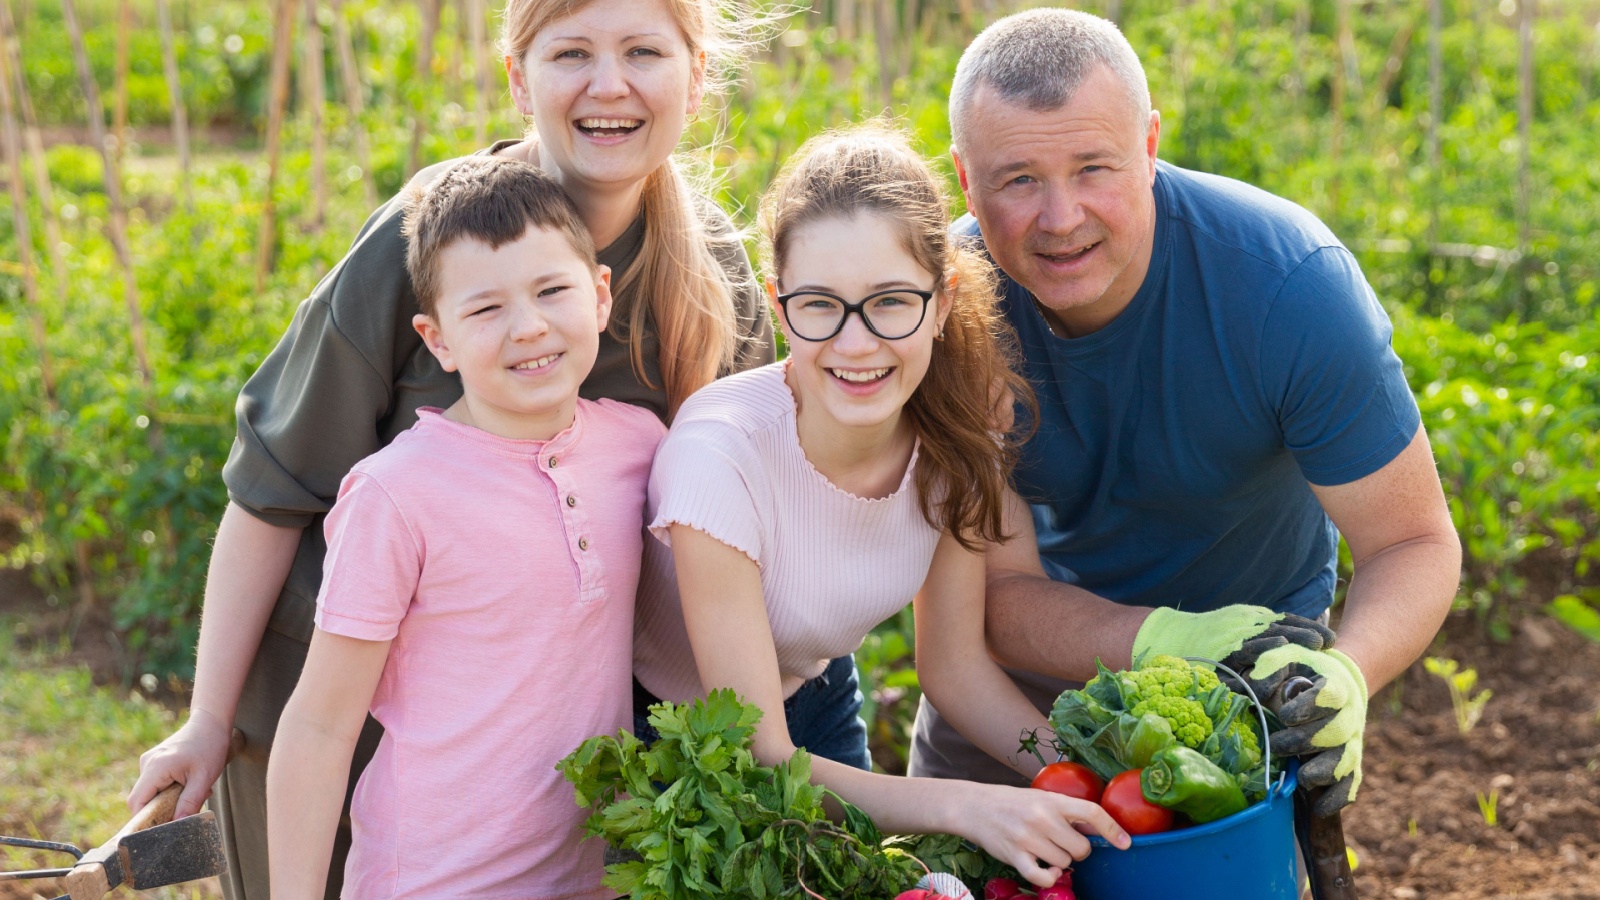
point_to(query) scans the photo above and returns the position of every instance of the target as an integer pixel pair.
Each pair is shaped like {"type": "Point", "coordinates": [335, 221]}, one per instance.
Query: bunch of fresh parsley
{"type": "Point", "coordinates": [707, 821]}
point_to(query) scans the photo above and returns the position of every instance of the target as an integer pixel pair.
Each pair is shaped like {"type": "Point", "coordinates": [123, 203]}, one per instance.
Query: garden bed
{"type": "Point", "coordinates": [1419, 830]}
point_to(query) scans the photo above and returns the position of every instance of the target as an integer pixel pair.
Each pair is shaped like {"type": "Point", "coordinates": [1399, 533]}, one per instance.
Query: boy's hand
{"type": "Point", "coordinates": [193, 756]}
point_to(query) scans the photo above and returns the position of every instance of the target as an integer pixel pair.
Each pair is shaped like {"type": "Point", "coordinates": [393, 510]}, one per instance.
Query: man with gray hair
{"type": "Point", "coordinates": [1218, 403]}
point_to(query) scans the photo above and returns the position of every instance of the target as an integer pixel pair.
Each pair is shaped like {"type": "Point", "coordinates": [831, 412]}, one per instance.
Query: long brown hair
{"type": "Point", "coordinates": [681, 288]}
{"type": "Point", "coordinates": [965, 466]}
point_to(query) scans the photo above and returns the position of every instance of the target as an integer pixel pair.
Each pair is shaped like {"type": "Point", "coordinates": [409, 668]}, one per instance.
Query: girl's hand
{"type": "Point", "coordinates": [193, 756]}
{"type": "Point", "coordinates": [1036, 832]}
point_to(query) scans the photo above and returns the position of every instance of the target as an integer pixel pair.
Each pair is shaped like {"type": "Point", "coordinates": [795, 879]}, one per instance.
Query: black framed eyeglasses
{"type": "Point", "coordinates": [891, 314]}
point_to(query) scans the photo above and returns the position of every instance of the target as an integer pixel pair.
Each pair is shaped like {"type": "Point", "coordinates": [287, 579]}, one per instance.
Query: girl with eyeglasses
{"type": "Point", "coordinates": [807, 501]}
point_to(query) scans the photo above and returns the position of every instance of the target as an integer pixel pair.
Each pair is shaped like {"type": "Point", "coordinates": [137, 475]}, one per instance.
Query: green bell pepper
{"type": "Point", "coordinates": [1182, 779]}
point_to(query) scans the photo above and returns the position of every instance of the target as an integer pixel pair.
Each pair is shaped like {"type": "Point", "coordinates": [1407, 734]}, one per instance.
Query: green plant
{"type": "Point", "coordinates": [1487, 806]}
{"type": "Point", "coordinates": [1468, 706]}
{"type": "Point", "coordinates": [1577, 614]}
{"type": "Point", "coordinates": [707, 820]}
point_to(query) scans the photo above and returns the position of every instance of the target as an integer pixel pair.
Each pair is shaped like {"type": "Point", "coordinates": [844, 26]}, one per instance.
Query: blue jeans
{"type": "Point", "coordinates": [824, 715]}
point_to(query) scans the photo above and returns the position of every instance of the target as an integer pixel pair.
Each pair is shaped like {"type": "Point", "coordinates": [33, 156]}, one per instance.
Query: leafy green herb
{"type": "Point", "coordinates": [706, 820]}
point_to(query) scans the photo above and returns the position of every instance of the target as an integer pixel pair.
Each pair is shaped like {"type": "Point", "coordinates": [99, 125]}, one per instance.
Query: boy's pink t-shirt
{"type": "Point", "coordinates": [504, 573]}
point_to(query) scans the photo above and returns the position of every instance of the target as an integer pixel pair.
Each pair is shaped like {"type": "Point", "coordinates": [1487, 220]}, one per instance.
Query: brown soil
{"type": "Point", "coordinates": [1419, 829]}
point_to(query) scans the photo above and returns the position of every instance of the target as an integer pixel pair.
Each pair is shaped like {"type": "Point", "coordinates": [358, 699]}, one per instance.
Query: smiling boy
{"type": "Point", "coordinates": [479, 588]}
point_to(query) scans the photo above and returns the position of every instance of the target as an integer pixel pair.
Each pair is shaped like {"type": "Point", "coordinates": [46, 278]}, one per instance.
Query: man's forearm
{"type": "Point", "coordinates": [1396, 602]}
{"type": "Point", "coordinates": [1057, 629]}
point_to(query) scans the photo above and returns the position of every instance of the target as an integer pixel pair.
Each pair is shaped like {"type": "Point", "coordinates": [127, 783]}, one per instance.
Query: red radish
{"type": "Point", "coordinates": [1061, 890]}
{"type": "Point", "coordinates": [944, 886]}
{"type": "Point", "coordinates": [1001, 889]}
{"type": "Point", "coordinates": [916, 894]}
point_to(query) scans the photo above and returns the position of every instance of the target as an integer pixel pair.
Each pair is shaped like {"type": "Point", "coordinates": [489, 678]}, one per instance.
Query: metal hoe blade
{"type": "Point", "coordinates": [186, 850]}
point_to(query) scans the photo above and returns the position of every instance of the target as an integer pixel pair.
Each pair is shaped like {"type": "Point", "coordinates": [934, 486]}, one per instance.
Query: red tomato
{"type": "Point", "coordinates": [1070, 778]}
{"type": "Point", "coordinates": [1124, 800]}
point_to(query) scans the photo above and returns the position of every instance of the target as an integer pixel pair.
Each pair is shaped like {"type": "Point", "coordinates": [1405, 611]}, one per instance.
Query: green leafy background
{"type": "Point", "coordinates": [118, 487]}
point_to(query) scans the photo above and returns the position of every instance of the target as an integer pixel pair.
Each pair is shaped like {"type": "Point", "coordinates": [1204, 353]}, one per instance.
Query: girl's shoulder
{"type": "Point", "coordinates": [746, 402]}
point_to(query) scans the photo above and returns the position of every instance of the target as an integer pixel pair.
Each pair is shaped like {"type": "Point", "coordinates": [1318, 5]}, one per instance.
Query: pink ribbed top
{"type": "Point", "coordinates": [833, 565]}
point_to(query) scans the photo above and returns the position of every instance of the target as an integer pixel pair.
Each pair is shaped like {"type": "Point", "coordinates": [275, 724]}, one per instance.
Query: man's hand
{"type": "Point", "coordinates": [1323, 725]}
{"type": "Point", "coordinates": [1237, 633]}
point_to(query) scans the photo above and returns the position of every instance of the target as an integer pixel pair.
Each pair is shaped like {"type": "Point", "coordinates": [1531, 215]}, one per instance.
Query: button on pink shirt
{"type": "Point", "coordinates": [504, 572]}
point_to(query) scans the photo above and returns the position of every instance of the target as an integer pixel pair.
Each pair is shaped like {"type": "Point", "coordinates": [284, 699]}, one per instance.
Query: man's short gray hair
{"type": "Point", "coordinates": [1039, 58]}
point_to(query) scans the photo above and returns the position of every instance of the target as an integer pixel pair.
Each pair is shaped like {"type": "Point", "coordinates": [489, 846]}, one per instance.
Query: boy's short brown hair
{"type": "Point", "coordinates": [486, 198]}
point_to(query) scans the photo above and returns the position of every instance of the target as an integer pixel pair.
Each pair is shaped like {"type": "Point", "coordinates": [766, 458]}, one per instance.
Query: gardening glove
{"type": "Point", "coordinates": [1240, 633]}
{"type": "Point", "coordinates": [1323, 724]}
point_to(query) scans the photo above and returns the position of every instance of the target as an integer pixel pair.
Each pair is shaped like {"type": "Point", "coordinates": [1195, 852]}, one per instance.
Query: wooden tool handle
{"type": "Point", "coordinates": [1322, 843]}
{"type": "Point", "coordinates": [89, 879]}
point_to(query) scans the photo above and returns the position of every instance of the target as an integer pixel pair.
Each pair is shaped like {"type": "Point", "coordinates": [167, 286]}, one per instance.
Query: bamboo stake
{"type": "Point", "coordinates": [430, 25]}
{"type": "Point", "coordinates": [906, 46]}
{"type": "Point", "coordinates": [180, 116]}
{"type": "Point", "coordinates": [278, 98]}
{"type": "Point", "coordinates": [1392, 64]}
{"type": "Point", "coordinates": [10, 68]}
{"type": "Point", "coordinates": [35, 152]}
{"type": "Point", "coordinates": [1302, 28]}
{"type": "Point", "coordinates": [478, 14]}
{"type": "Point", "coordinates": [883, 36]}
{"type": "Point", "coordinates": [1435, 121]}
{"type": "Point", "coordinates": [1525, 9]}
{"type": "Point", "coordinates": [351, 76]}
{"type": "Point", "coordinates": [1341, 74]}
{"type": "Point", "coordinates": [114, 200]}
{"type": "Point", "coordinates": [19, 222]}
{"type": "Point", "coordinates": [316, 100]}
{"type": "Point", "coordinates": [119, 88]}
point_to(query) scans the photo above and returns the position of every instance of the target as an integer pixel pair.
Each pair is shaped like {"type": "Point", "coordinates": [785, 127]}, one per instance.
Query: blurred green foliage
{"type": "Point", "coordinates": [68, 790]}
{"type": "Point", "coordinates": [1500, 340]}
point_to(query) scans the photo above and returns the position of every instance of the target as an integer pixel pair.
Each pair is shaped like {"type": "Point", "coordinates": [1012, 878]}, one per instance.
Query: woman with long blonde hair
{"type": "Point", "coordinates": [609, 87]}
{"type": "Point", "coordinates": [807, 501]}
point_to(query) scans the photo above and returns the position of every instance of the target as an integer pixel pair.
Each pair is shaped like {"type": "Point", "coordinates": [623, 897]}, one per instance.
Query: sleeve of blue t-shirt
{"type": "Point", "coordinates": [1329, 370]}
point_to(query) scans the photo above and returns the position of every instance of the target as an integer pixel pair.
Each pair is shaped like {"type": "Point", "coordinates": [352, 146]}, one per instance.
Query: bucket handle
{"type": "Point", "coordinates": [1261, 714]}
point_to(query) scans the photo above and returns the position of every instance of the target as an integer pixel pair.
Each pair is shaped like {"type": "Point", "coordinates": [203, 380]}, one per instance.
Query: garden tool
{"type": "Point", "coordinates": [150, 851]}
{"type": "Point", "coordinates": [1321, 837]}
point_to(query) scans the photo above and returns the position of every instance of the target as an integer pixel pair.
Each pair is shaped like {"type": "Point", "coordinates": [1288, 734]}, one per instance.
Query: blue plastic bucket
{"type": "Point", "coordinates": [1249, 855]}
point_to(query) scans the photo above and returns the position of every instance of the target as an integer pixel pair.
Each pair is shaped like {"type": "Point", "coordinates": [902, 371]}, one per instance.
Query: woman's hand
{"type": "Point", "coordinates": [192, 756]}
{"type": "Point", "coordinates": [1036, 832]}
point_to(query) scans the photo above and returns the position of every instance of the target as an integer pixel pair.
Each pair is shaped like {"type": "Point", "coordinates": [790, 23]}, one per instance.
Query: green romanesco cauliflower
{"type": "Point", "coordinates": [1188, 718]}
{"type": "Point", "coordinates": [1172, 676]}
{"type": "Point", "coordinates": [1246, 730]}
{"type": "Point", "coordinates": [1157, 680]}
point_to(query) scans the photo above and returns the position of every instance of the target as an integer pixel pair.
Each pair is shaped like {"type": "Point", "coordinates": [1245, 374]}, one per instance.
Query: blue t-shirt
{"type": "Point", "coordinates": [1175, 445]}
